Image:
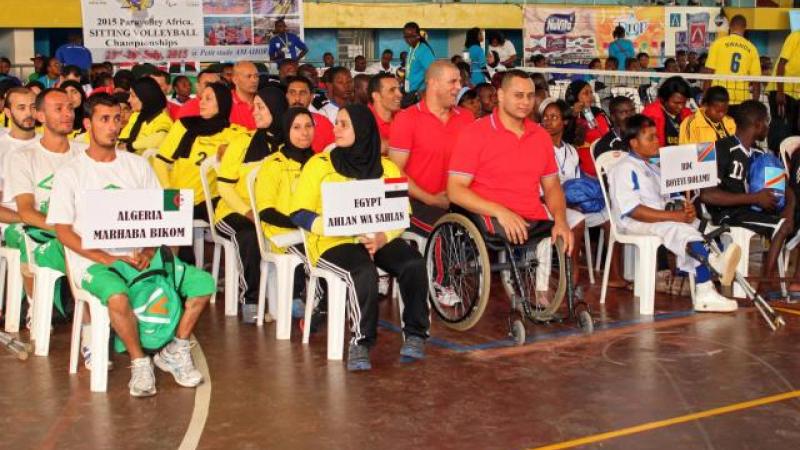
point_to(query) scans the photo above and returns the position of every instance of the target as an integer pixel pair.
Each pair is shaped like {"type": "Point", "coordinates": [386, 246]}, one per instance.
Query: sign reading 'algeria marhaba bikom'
{"type": "Point", "coordinates": [184, 30]}
{"type": "Point", "coordinates": [130, 218]}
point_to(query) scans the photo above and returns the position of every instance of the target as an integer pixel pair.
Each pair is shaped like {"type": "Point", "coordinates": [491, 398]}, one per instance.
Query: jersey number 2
{"type": "Point", "coordinates": [735, 62]}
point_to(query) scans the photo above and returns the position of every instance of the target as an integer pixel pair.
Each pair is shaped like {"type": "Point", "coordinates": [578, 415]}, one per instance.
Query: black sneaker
{"type": "Point", "coordinates": [413, 348]}
{"type": "Point", "coordinates": [358, 358]}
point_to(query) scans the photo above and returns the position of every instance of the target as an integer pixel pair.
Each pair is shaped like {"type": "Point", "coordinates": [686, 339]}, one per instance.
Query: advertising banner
{"type": "Point", "coordinates": [570, 34]}
{"type": "Point", "coordinates": [692, 29]}
{"type": "Point", "coordinates": [179, 30]}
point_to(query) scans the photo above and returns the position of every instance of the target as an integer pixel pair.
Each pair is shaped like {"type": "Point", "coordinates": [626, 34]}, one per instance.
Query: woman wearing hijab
{"type": "Point", "coordinates": [189, 142]}
{"type": "Point", "coordinates": [588, 123]}
{"type": "Point", "coordinates": [76, 97]}
{"type": "Point", "coordinates": [276, 182]}
{"type": "Point", "coordinates": [150, 122]}
{"type": "Point", "coordinates": [233, 216]}
{"type": "Point", "coordinates": [357, 156]}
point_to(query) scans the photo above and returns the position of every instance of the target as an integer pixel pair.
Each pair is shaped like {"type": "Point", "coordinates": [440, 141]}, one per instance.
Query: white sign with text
{"type": "Point", "coordinates": [359, 207]}
{"type": "Point", "coordinates": [125, 218]}
{"type": "Point", "coordinates": [688, 167]}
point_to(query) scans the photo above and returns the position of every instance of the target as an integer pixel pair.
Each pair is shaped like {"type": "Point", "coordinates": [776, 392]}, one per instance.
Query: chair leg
{"type": "Point", "coordinates": [215, 270]}
{"type": "Point", "coordinates": [646, 276]}
{"type": "Point", "coordinates": [262, 292]}
{"type": "Point", "coordinates": [742, 238]}
{"type": "Point", "coordinates": [337, 304]}
{"type": "Point", "coordinates": [75, 341]}
{"type": "Point", "coordinates": [311, 292]}
{"type": "Point", "coordinates": [588, 245]}
{"type": "Point", "coordinates": [100, 335]}
{"type": "Point", "coordinates": [231, 281]}
{"type": "Point", "coordinates": [3, 272]}
{"type": "Point", "coordinates": [609, 255]}
{"type": "Point", "coordinates": [13, 293]}
{"type": "Point", "coordinates": [44, 286]}
{"type": "Point", "coordinates": [283, 313]}
{"type": "Point", "coordinates": [601, 240]}
{"type": "Point", "coordinates": [199, 246]}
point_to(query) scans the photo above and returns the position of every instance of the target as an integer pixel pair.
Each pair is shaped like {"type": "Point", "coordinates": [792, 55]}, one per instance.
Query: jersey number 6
{"type": "Point", "coordinates": [735, 58]}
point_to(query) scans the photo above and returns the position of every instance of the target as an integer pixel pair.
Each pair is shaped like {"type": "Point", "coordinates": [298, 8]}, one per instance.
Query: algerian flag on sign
{"type": "Point", "coordinates": [172, 199]}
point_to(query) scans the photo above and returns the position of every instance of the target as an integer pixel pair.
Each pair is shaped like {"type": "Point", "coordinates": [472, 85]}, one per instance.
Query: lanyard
{"type": "Point", "coordinates": [409, 62]}
{"type": "Point", "coordinates": [718, 128]}
{"type": "Point", "coordinates": [675, 124]}
{"type": "Point", "coordinates": [562, 163]}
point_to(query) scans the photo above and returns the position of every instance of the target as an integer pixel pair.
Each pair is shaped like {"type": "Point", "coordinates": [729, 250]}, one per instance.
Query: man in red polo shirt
{"type": "Point", "coordinates": [298, 93]}
{"type": "Point", "coordinates": [384, 102]}
{"type": "Point", "coordinates": [422, 138]}
{"type": "Point", "coordinates": [245, 81]}
{"type": "Point", "coordinates": [501, 162]}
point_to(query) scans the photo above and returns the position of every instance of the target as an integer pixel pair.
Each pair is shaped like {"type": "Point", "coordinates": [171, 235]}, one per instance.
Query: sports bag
{"type": "Point", "coordinates": [154, 299]}
{"type": "Point", "coordinates": [766, 172]}
{"type": "Point", "coordinates": [585, 194]}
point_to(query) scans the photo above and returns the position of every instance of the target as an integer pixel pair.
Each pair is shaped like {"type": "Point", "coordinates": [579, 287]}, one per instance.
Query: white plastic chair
{"type": "Point", "coordinates": [100, 333]}
{"type": "Point", "coordinates": [337, 303]}
{"type": "Point", "coordinates": [644, 285]}
{"type": "Point", "coordinates": [11, 270]}
{"type": "Point", "coordinates": [231, 256]}
{"type": "Point", "coordinates": [285, 264]}
{"type": "Point", "coordinates": [44, 282]}
{"type": "Point", "coordinates": [198, 226]}
{"type": "Point", "coordinates": [631, 93]}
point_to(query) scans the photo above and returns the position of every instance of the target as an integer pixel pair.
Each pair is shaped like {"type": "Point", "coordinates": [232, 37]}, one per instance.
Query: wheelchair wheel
{"type": "Point", "coordinates": [544, 309]}
{"type": "Point", "coordinates": [458, 271]}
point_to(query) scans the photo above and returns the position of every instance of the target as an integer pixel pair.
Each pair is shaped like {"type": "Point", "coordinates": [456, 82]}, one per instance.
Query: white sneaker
{"type": "Point", "coordinates": [707, 299]}
{"type": "Point", "coordinates": [446, 295]}
{"type": "Point", "coordinates": [176, 358]}
{"type": "Point", "coordinates": [725, 264]}
{"type": "Point", "coordinates": [143, 380]}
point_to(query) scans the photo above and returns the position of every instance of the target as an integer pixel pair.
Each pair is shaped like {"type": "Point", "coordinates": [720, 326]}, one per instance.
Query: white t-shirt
{"type": "Point", "coordinates": [376, 68]}
{"type": "Point", "coordinates": [505, 51]}
{"type": "Point", "coordinates": [568, 162]}
{"type": "Point", "coordinates": [634, 182]}
{"type": "Point", "coordinates": [30, 170]}
{"type": "Point", "coordinates": [127, 171]}
{"type": "Point", "coordinates": [329, 110]}
{"type": "Point", "coordinates": [9, 145]}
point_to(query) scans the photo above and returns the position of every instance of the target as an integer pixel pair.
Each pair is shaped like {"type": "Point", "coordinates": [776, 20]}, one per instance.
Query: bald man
{"type": "Point", "coordinates": [421, 140]}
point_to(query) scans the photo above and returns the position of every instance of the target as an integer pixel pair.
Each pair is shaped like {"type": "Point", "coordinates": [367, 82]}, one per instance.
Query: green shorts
{"type": "Point", "coordinates": [48, 252]}
{"type": "Point", "coordinates": [103, 283]}
{"type": "Point", "coordinates": [14, 237]}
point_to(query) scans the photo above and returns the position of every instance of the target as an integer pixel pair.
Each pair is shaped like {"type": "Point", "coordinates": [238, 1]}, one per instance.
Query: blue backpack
{"type": "Point", "coordinates": [584, 194]}
{"type": "Point", "coordinates": [766, 172]}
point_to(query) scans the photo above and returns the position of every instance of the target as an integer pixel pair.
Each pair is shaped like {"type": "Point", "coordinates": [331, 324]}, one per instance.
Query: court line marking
{"type": "Point", "coordinates": [202, 400]}
{"type": "Point", "coordinates": [672, 421]}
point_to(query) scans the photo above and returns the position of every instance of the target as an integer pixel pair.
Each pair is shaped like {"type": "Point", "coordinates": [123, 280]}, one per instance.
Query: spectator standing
{"type": "Point", "coordinates": [784, 97]}
{"type": "Point", "coordinates": [384, 65]}
{"type": "Point", "coordinates": [621, 48]}
{"type": "Point", "coordinates": [73, 53]}
{"type": "Point", "coordinates": [477, 58]}
{"type": "Point", "coordinates": [420, 57]}
{"type": "Point", "coordinates": [359, 66]}
{"type": "Point", "coordinates": [735, 55]}
{"type": "Point", "coordinates": [285, 45]}
{"type": "Point", "coordinates": [52, 74]}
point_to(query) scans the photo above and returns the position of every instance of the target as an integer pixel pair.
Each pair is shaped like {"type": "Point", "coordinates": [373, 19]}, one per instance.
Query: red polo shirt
{"type": "Point", "coordinates": [323, 132]}
{"type": "Point", "coordinates": [428, 142]}
{"type": "Point", "coordinates": [241, 112]}
{"type": "Point", "coordinates": [384, 127]}
{"type": "Point", "coordinates": [506, 169]}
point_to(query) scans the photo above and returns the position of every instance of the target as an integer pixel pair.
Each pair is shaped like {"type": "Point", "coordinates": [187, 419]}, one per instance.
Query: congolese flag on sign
{"type": "Point", "coordinates": [774, 178]}
{"type": "Point", "coordinates": [706, 152]}
{"type": "Point", "coordinates": [395, 187]}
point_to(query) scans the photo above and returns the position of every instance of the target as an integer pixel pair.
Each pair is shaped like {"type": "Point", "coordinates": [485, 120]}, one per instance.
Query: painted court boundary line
{"type": "Point", "coordinates": [503, 343]}
{"type": "Point", "coordinates": [672, 421]}
{"type": "Point", "coordinates": [202, 400]}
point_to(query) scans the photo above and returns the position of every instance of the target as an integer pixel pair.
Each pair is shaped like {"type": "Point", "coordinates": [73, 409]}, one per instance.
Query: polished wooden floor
{"type": "Point", "coordinates": [476, 390]}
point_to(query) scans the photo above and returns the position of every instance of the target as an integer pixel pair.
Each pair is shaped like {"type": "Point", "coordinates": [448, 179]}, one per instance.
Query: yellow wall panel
{"type": "Point", "coordinates": [40, 14]}
{"type": "Point", "coordinates": [395, 15]}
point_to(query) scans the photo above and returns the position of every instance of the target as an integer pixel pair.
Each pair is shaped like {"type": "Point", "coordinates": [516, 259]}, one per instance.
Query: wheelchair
{"type": "Point", "coordinates": [458, 257]}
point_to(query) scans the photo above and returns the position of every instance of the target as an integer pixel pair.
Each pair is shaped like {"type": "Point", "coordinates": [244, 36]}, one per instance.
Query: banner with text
{"type": "Point", "coordinates": [687, 167]}
{"type": "Point", "coordinates": [692, 28]}
{"type": "Point", "coordinates": [365, 206]}
{"type": "Point", "coordinates": [124, 218]}
{"type": "Point", "coordinates": [180, 30]}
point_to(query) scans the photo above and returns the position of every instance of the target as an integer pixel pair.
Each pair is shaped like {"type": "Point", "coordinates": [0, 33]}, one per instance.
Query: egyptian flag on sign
{"type": "Point", "coordinates": [395, 187]}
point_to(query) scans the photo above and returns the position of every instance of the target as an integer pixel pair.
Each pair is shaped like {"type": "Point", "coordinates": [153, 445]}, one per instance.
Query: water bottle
{"type": "Point", "coordinates": [589, 115]}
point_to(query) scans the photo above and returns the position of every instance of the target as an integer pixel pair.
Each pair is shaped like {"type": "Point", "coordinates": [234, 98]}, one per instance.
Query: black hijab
{"type": "Point", "coordinates": [292, 152]}
{"type": "Point", "coordinates": [267, 141]}
{"type": "Point", "coordinates": [362, 160]}
{"type": "Point", "coordinates": [198, 126]}
{"type": "Point", "coordinates": [153, 103]}
{"type": "Point", "coordinates": [77, 124]}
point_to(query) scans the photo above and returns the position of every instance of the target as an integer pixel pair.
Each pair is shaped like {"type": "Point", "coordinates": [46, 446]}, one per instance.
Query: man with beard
{"type": "Point", "coordinates": [19, 109]}
{"type": "Point", "coordinates": [299, 94]}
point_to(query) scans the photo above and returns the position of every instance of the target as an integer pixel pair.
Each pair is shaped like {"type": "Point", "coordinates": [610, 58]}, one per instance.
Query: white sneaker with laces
{"type": "Point", "coordinates": [143, 380]}
{"type": "Point", "coordinates": [707, 299]}
{"type": "Point", "coordinates": [725, 264]}
{"type": "Point", "coordinates": [176, 358]}
{"type": "Point", "coordinates": [446, 295]}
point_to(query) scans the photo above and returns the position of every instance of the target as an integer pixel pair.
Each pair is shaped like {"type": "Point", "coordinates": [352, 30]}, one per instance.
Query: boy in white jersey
{"type": "Point", "coordinates": [639, 207]}
{"type": "Point", "coordinates": [28, 182]}
{"type": "Point", "coordinates": [101, 166]}
{"type": "Point", "coordinates": [20, 106]}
